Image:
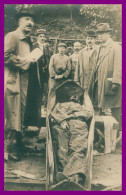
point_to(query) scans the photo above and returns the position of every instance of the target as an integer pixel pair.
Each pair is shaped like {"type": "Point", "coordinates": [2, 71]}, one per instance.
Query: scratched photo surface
{"type": "Point", "coordinates": [62, 97]}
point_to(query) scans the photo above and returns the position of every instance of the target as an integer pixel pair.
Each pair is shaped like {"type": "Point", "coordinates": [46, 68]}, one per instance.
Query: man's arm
{"type": "Point", "coordinates": [10, 57]}
{"type": "Point", "coordinates": [77, 71]}
{"type": "Point", "coordinates": [117, 65]}
{"type": "Point", "coordinates": [51, 68]}
{"type": "Point", "coordinates": [62, 112]}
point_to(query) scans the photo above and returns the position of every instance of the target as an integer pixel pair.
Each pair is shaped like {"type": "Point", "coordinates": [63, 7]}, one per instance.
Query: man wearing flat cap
{"type": "Point", "coordinates": [59, 70]}
{"type": "Point", "coordinates": [86, 60]}
{"type": "Point", "coordinates": [105, 84]}
{"type": "Point", "coordinates": [17, 48]}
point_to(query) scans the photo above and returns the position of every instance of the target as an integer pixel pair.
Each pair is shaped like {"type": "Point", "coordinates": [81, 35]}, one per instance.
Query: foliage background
{"type": "Point", "coordinates": [68, 20]}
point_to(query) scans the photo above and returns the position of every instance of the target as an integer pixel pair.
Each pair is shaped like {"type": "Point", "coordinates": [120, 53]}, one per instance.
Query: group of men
{"type": "Point", "coordinates": [97, 69]}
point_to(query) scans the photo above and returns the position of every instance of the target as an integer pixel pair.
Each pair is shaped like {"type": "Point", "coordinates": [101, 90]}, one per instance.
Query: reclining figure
{"type": "Point", "coordinates": [69, 121]}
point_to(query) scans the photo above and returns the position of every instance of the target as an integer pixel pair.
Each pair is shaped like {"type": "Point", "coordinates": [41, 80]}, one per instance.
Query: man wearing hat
{"type": "Point", "coordinates": [59, 70]}
{"type": "Point", "coordinates": [74, 58]}
{"type": "Point", "coordinates": [17, 48]}
{"type": "Point", "coordinates": [86, 60]}
{"type": "Point", "coordinates": [105, 84]}
{"type": "Point", "coordinates": [43, 62]}
{"type": "Point", "coordinates": [41, 37]}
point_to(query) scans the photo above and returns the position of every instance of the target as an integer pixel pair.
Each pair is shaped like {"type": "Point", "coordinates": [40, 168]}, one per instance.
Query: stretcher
{"type": "Point", "coordinates": [69, 87]}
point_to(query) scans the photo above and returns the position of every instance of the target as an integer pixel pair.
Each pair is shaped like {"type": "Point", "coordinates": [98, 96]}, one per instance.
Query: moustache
{"type": "Point", "coordinates": [29, 25]}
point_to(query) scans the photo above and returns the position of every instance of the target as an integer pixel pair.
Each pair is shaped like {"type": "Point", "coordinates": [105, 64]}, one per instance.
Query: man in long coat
{"type": "Point", "coordinates": [86, 60]}
{"type": "Point", "coordinates": [18, 46]}
{"type": "Point", "coordinates": [105, 83]}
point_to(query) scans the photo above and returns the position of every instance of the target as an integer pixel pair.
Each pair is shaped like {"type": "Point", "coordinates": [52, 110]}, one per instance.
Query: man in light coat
{"type": "Point", "coordinates": [105, 83]}
{"type": "Point", "coordinates": [17, 48]}
{"type": "Point", "coordinates": [86, 60]}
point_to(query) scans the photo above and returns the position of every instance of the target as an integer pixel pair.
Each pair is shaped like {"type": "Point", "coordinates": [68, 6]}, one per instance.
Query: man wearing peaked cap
{"type": "Point", "coordinates": [86, 60]}
{"type": "Point", "coordinates": [62, 45]}
{"type": "Point", "coordinates": [59, 71]}
{"type": "Point", "coordinates": [17, 48]}
{"type": "Point", "coordinates": [41, 31]}
{"type": "Point", "coordinates": [105, 84]}
{"type": "Point", "coordinates": [41, 38]}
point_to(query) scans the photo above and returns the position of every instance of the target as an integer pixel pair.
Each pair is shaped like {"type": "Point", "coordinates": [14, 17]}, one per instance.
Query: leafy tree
{"type": "Point", "coordinates": [108, 13]}
{"type": "Point", "coordinates": [67, 20]}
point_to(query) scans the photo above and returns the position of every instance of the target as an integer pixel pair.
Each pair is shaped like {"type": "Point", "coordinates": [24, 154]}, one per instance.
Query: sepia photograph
{"type": "Point", "coordinates": [62, 97]}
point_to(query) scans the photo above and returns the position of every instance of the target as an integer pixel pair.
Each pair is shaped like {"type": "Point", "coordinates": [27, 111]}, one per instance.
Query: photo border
{"type": "Point", "coordinates": [2, 84]}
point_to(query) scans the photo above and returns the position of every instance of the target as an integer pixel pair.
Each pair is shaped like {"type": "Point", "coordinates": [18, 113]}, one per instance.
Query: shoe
{"type": "Point", "coordinates": [78, 178]}
{"type": "Point", "coordinates": [60, 177]}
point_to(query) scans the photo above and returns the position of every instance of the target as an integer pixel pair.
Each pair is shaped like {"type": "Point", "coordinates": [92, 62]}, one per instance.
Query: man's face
{"type": "Point", "coordinates": [46, 45]}
{"type": "Point", "coordinates": [77, 47]}
{"type": "Point", "coordinates": [90, 41]}
{"type": "Point", "coordinates": [61, 49]}
{"type": "Point", "coordinates": [75, 98]}
{"type": "Point", "coordinates": [26, 23]}
{"type": "Point", "coordinates": [103, 37]}
{"type": "Point", "coordinates": [41, 38]}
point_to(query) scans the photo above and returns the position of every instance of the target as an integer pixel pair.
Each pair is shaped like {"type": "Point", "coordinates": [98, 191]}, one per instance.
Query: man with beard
{"type": "Point", "coordinates": [17, 48]}
{"type": "Point", "coordinates": [74, 58]}
{"type": "Point", "coordinates": [86, 60]}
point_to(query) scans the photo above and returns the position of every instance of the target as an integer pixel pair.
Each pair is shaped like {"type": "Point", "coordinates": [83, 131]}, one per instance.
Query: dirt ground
{"type": "Point", "coordinates": [106, 170]}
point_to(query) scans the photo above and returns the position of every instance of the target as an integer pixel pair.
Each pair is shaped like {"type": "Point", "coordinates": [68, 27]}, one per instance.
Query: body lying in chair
{"type": "Point", "coordinates": [70, 121]}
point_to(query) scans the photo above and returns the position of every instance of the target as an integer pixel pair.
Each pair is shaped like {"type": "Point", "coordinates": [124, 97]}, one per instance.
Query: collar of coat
{"type": "Point", "coordinates": [40, 44]}
{"type": "Point", "coordinates": [87, 48]}
{"type": "Point", "coordinates": [109, 41]}
{"type": "Point", "coordinates": [109, 45]}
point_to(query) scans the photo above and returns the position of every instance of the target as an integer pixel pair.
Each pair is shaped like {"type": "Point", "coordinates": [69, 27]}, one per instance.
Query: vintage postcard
{"type": "Point", "coordinates": [62, 97]}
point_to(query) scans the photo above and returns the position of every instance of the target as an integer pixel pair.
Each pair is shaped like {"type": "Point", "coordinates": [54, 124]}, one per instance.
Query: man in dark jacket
{"type": "Point", "coordinates": [43, 62]}
{"type": "Point", "coordinates": [17, 48]}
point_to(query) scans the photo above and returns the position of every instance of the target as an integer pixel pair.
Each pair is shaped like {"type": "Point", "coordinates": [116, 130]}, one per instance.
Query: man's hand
{"type": "Point", "coordinates": [64, 125]}
{"type": "Point", "coordinates": [58, 77]}
{"type": "Point", "coordinates": [115, 87]}
{"type": "Point", "coordinates": [44, 68]}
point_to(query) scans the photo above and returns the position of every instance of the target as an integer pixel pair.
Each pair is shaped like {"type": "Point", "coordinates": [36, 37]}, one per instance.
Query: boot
{"type": "Point", "coordinates": [13, 145]}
